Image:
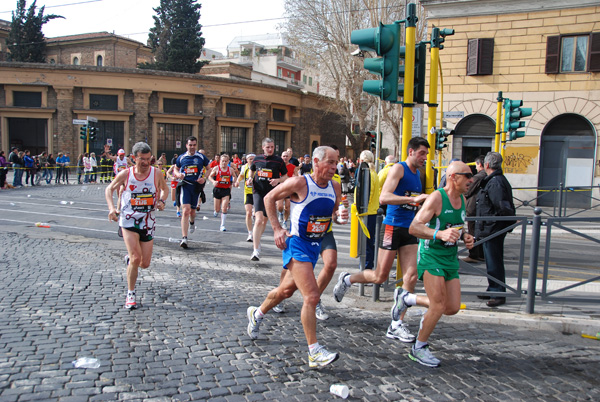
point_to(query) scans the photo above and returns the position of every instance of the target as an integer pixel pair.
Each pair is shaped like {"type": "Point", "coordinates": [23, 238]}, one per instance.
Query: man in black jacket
{"type": "Point", "coordinates": [476, 253]}
{"type": "Point", "coordinates": [494, 199]}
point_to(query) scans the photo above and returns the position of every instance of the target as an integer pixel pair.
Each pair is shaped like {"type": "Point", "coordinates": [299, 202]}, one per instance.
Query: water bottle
{"type": "Point", "coordinates": [86, 362]}
{"type": "Point", "coordinates": [341, 209]}
{"type": "Point", "coordinates": [173, 240]}
{"type": "Point", "coordinates": [42, 225]}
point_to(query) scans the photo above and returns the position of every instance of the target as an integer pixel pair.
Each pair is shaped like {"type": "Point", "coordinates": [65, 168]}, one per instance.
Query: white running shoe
{"type": "Point", "coordinates": [255, 256]}
{"type": "Point", "coordinates": [222, 228]}
{"type": "Point", "coordinates": [321, 358]}
{"type": "Point", "coordinates": [192, 227]}
{"type": "Point", "coordinates": [423, 356]}
{"type": "Point", "coordinates": [130, 302]}
{"type": "Point", "coordinates": [320, 312]}
{"type": "Point", "coordinates": [183, 243]}
{"type": "Point", "coordinates": [215, 214]}
{"type": "Point", "coordinates": [249, 238]}
{"type": "Point", "coordinates": [401, 333]}
{"type": "Point", "coordinates": [280, 308]}
{"type": "Point", "coordinates": [340, 288]}
{"type": "Point", "coordinates": [253, 323]}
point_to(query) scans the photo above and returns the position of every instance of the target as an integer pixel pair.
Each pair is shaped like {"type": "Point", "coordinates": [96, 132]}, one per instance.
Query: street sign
{"type": "Point", "coordinates": [109, 141]}
{"type": "Point", "coordinates": [92, 119]}
{"type": "Point", "coordinates": [417, 121]}
{"type": "Point", "coordinates": [79, 121]}
{"type": "Point", "coordinates": [454, 115]}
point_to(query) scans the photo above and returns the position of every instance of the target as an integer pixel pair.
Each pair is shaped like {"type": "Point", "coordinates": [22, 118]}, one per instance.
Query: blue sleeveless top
{"type": "Point", "coordinates": [408, 186]}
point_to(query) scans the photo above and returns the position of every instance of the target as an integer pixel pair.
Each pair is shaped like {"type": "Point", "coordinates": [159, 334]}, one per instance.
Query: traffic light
{"type": "Point", "coordinates": [83, 131]}
{"type": "Point", "coordinates": [420, 71]}
{"type": "Point", "coordinates": [441, 136]}
{"type": "Point", "coordinates": [93, 132]}
{"type": "Point", "coordinates": [513, 112]}
{"type": "Point", "coordinates": [438, 35]}
{"type": "Point", "coordinates": [385, 41]}
{"type": "Point", "coordinates": [373, 136]}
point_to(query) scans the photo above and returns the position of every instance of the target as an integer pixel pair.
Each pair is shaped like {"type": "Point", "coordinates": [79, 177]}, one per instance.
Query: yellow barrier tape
{"type": "Point", "coordinates": [362, 224]}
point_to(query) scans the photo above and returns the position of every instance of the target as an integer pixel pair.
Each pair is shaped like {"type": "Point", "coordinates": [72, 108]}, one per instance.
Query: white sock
{"type": "Point", "coordinates": [419, 344]}
{"type": "Point", "coordinates": [223, 217]}
{"type": "Point", "coordinates": [258, 314]}
{"type": "Point", "coordinates": [347, 280]}
{"type": "Point", "coordinates": [131, 292]}
{"type": "Point", "coordinates": [396, 324]}
{"type": "Point", "coordinates": [313, 347]}
{"type": "Point", "coordinates": [410, 299]}
{"type": "Point", "coordinates": [249, 233]}
{"type": "Point", "coordinates": [256, 251]}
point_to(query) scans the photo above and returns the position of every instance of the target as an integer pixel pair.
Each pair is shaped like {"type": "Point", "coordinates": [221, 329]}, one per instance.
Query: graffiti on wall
{"type": "Point", "coordinates": [521, 160]}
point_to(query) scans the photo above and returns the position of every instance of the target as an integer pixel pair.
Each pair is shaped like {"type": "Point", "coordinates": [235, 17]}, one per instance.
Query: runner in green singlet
{"type": "Point", "coordinates": [438, 225]}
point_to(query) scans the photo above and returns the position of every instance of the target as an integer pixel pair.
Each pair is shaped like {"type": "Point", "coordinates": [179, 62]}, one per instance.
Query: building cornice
{"type": "Point", "coordinates": [468, 8]}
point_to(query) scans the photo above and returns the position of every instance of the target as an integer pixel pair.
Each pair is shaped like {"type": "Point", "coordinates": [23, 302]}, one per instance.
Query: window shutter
{"type": "Point", "coordinates": [552, 54]}
{"type": "Point", "coordinates": [480, 56]}
{"type": "Point", "coordinates": [486, 56]}
{"type": "Point", "coordinates": [472, 51]}
{"type": "Point", "coordinates": [594, 57]}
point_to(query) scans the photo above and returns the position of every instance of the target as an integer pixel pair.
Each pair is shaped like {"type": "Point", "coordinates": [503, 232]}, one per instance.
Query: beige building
{"type": "Point", "coordinates": [544, 52]}
{"type": "Point", "coordinates": [94, 75]}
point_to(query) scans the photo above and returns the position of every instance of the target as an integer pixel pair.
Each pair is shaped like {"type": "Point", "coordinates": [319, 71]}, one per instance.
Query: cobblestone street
{"type": "Point", "coordinates": [61, 299]}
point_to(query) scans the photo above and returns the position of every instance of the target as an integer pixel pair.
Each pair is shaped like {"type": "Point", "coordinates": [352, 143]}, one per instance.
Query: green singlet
{"type": "Point", "coordinates": [437, 257]}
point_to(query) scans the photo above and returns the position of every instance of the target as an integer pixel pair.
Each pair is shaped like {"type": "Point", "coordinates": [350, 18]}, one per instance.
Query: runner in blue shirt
{"type": "Point", "coordinates": [189, 167]}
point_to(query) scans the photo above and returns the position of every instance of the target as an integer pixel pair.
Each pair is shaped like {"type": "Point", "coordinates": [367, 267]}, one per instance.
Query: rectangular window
{"type": "Point", "coordinates": [480, 56]}
{"type": "Point", "coordinates": [278, 137]}
{"type": "Point", "coordinates": [573, 53]}
{"type": "Point", "coordinates": [171, 135]}
{"type": "Point", "coordinates": [235, 110]}
{"type": "Point", "coordinates": [304, 79]}
{"type": "Point", "coordinates": [179, 106]}
{"type": "Point", "coordinates": [278, 114]}
{"type": "Point", "coordinates": [574, 50]}
{"type": "Point", "coordinates": [309, 80]}
{"type": "Point", "coordinates": [279, 74]}
{"type": "Point", "coordinates": [233, 140]}
{"type": "Point", "coordinates": [104, 102]}
{"type": "Point", "coordinates": [27, 99]}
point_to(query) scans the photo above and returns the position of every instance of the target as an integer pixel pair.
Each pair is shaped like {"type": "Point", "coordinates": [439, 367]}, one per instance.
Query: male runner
{"type": "Point", "coordinates": [315, 199]}
{"type": "Point", "coordinates": [283, 206]}
{"type": "Point", "coordinates": [439, 226]}
{"type": "Point", "coordinates": [189, 168]}
{"type": "Point", "coordinates": [268, 171]}
{"type": "Point", "coordinates": [144, 191]}
{"type": "Point", "coordinates": [224, 176]}
{"type": "Point", "coordinates": [402, 193]}
{"type": "Point", "coordinates": [248, 200]}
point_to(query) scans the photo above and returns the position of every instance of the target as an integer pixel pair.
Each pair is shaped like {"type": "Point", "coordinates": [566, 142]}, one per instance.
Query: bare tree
{"type": "Point", "coordinates": [319, 30]}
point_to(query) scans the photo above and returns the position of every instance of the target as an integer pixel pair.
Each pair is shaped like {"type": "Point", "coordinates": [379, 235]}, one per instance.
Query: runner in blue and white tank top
{"type": "Point", "coordinates": [315, 199]}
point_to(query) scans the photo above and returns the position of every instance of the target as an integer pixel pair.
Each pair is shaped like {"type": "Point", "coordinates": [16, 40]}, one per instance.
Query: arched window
{"type": "Point", "coordinates": [76, 61]}
{"type": "Point", "coordinates": [99, 61]}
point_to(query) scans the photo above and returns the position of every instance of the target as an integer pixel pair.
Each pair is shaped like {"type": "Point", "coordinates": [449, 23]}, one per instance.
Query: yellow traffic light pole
{"type": "Point", "coordinates": [432, 114]}
{"type": "Point", "coordinates": [409, 78]}
{"type": "Point", "coordinates": [498, 123]}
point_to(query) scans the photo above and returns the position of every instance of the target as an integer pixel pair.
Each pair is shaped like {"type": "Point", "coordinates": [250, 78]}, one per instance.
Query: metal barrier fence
{"type": "Point", "coordinates": [559, 195]}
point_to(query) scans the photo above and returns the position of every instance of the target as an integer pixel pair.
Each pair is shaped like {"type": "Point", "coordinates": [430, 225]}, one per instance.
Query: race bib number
{"type": "Point", "coordinates": [411, 206]}
{"type": "Point", "coordinates": [224, 180]}
{"type": "Point", "coordinates": [142, 202]}
{"type": "Point", "coordinates": [317, 226]}
{"type": "Point", "coordinates": [121, 168]}
{"type": "Point", "coordinates": [265, 174]}
{"type": "Point", "coordinates": [191, 170]}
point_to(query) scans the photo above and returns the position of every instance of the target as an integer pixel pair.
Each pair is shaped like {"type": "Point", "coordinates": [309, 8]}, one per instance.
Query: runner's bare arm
{"type": "Point", "coordinates": [432, 207]}
{"type": "Point", "coordinates": [110, 189]}
{"type": "Point", "coordinates": [163, 192]}
{"type": "Point", "coordinates": [291, 188]}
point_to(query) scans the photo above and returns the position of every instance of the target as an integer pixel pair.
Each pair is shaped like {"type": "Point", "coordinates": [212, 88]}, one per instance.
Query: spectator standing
{"type": "Point", "coordinates": [476, 253]}
{"type": "Point", "coordinates": [344, 174]}
{"type": "Point", "coordinates": [174, 159]}
{"type": "Point", "coordinates": [94, 164]}
{"type": "Point", "coordinates": [306, 167]}
{"type": "Point", "coordinates": [67, 163]}
{"type": "Point", "coordinates": [17, 164]}
{"type": "Point", "coordinates": [51, 168]}
{"type": "Point", "coordinates": [79, 168]}
{"type": "Point", "coordinates": [163, 158]}
{"type": "Point", "coordinates": [28, 163]}
{"type": "Point", "coordinates": [43, 158]}
{"type": "Point", "coordinates": [494, 199]}
{"type": "Point", "coordinates": [60, 165]}
{"type": "Point", "coordinates": [367, 157]}
{"type": "Point", "coordinates": [87, 168]}
{"type": "Point", "coordinates": [3, 170]}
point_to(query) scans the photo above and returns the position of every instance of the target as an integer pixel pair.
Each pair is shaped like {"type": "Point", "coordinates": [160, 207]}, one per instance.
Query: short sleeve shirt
{"type": "Point", "coordinates": [264, 169]}
{"type": "Point", "coordinates": [192, 165]}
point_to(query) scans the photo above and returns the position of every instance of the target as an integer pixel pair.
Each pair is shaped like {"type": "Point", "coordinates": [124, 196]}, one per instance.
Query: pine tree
{"type": "Point", "coordinates": [176, 38]}
{"type": "Point", "coordinates": [26, 39]}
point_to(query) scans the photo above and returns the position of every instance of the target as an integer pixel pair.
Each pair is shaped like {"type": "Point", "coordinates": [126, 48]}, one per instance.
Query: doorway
{"type": "Point", "coordinates": [28, 134]}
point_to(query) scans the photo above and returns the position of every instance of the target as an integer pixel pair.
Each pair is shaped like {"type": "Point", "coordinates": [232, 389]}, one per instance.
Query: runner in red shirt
{"type": "Point", "coordinates": [222, 176]}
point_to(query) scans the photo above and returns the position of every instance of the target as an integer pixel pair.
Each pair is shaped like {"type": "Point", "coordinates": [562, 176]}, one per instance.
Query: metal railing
{"type": "Point", "coordinates": [559, 195]}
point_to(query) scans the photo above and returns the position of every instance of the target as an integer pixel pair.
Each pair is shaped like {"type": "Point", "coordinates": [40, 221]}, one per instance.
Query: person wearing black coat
{"type": "Point", "coordinates": [476, 253]}
{"type": "Point", "coordinates": [494, 199]}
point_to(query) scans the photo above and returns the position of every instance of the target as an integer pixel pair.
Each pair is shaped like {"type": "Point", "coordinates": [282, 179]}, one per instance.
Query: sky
{"type": "Point", "coordinates": [221, 20]}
